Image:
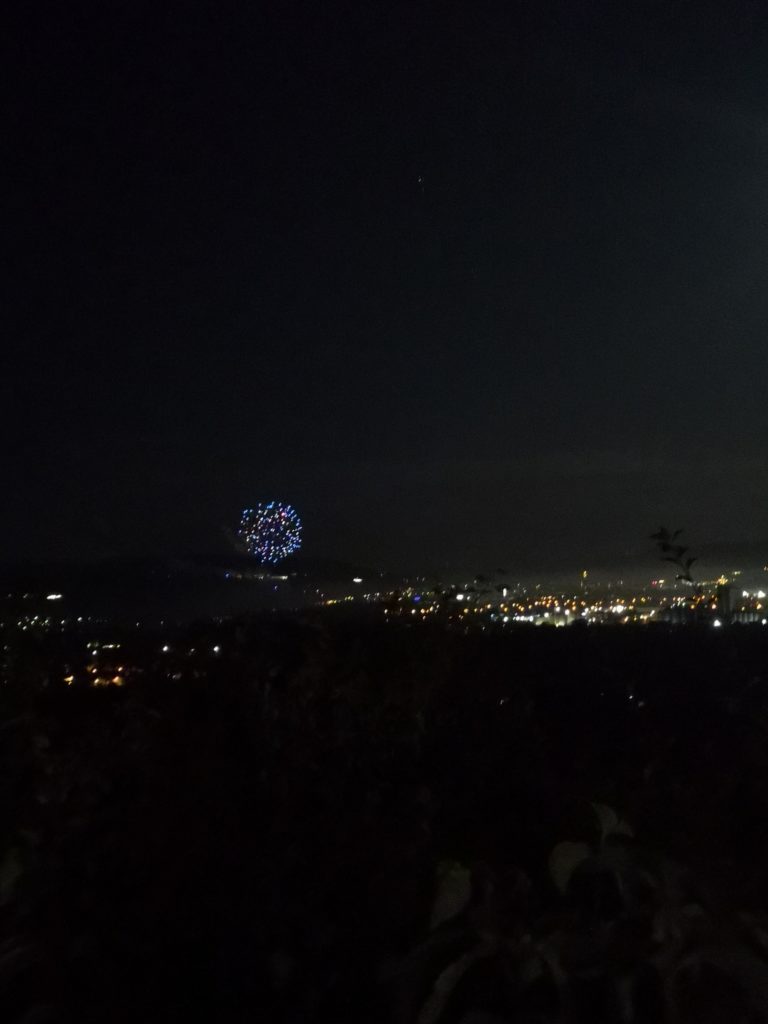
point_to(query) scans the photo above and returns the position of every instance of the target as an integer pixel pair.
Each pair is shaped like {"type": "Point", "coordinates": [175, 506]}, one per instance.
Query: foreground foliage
{"type": "Point", "coordinates": [346, 822]}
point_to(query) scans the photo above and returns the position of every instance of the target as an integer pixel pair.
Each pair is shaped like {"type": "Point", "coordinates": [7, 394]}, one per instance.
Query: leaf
{"type": "Point", "coordinates": [563, 861]}
{"type": "Point", "coordinates": [607, 818]}
{"type": "Point", "coordinates": [610, 823]}
{"type": "Point", "coordinates": [42, 1014]}
{"type": "Point", "coordinates": [623, 828]}
{"type": "Point", "coordinates": [433, 1009]}
{"type": "Point", "coordinates": [454, 891]}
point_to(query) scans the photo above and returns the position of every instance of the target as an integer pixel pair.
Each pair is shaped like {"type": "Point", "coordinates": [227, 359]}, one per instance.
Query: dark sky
{"type": "Point", "coordinates": [464, 282]}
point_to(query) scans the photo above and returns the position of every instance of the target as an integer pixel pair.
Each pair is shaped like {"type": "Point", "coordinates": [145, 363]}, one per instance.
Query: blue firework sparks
{"type": "Point", "coordinates": [270, 531]}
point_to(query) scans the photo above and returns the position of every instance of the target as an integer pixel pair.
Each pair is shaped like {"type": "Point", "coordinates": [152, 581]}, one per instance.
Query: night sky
{"type": "Point", "coordinates": [466, 283]}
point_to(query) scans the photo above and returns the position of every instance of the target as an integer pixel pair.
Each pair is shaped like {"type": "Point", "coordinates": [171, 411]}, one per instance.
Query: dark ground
{"type": "Point", "coordinates": [261, 840]}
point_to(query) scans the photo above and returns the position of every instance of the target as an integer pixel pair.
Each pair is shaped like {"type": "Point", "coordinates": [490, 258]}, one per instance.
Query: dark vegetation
{"type": "Point", "coordinates": [350, 822]}
{"type": "Point", "coordinates": [671, 550]}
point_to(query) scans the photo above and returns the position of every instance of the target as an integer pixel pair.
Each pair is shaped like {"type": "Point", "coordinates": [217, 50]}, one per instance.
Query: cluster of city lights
{"type": "Point", "coordinates": [271, 531]}
{"type": "Point", "coordinates": [467, 606]}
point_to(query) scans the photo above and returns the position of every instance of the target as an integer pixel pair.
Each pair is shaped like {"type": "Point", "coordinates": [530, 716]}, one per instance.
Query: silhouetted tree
{"type": "Point", "coordinates": [675, 553]}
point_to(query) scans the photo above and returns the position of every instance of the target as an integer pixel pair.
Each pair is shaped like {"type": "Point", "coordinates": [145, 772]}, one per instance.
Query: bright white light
{"type": "Point", "coordinates": [745, 593]}
{"type": "Point", "coordinates": [357, 579]}
{"type": "Point", "coordinates": [764, 622]}
{"type": "Point", "coordinates": [717, 623]}
{"type": "Point", "coordinates": [618, 609]}
{"type": "Point", "coordinates": [54, 597]}
{"type": "Point", "coordinates": [459, 597]}
{"type": "Point", "coordinates": [216, 649]}
{"type": "Point", "coordinates": [166, 648]}
{"type": "Point", "coordinates": [761, 594]}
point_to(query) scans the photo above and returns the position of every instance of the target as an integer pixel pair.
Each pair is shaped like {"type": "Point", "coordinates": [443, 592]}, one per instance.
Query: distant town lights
{"type": "Point", "coordinates": [53, 597]}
